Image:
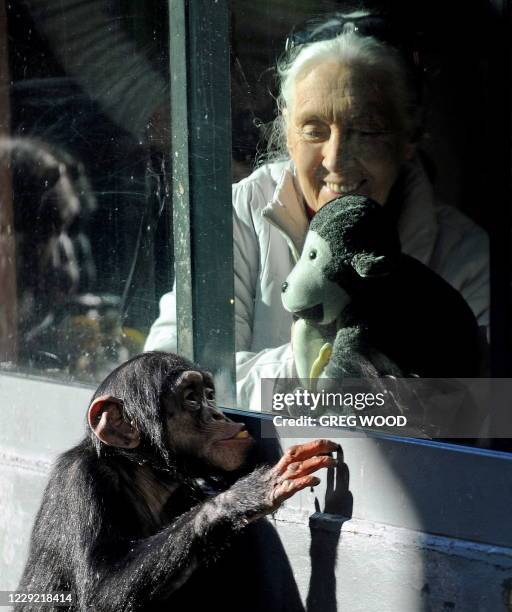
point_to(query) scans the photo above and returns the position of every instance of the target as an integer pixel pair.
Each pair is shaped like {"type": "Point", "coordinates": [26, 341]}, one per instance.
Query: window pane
{"type": "Point", "coordinates": [404, 118]}
{"type": "Point", "coordinates": [85, 183]}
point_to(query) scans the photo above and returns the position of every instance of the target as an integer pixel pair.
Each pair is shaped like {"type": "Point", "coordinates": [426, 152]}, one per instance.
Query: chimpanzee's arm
{"type": "Point", "coordinates": [153, 568]}
{"type": "Point", "coordinates": [160, 564]}
{"type": "Point", "coordinates": [77, 543]}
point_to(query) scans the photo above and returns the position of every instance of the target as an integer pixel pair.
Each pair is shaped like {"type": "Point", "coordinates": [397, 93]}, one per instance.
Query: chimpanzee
{"type": "Point", "coordinates": [146, 513]}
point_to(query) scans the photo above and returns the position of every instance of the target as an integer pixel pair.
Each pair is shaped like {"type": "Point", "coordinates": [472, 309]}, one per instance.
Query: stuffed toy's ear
{"type": "Point", "coordinates": [369, 265]}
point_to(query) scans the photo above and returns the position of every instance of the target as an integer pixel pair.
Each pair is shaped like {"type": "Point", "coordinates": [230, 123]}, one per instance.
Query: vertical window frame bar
{"type": "Point", "coordinates": [201, 168]}
{"type": "Point", "coordinates": [180, 177]}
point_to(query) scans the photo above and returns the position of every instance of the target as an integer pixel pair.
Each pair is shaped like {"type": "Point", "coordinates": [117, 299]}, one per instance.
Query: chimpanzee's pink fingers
{"type": "Point", "coordinates": [303, 468]}
{"type": "Point", "coordinates": [300, 452]}
{"type": "Point", "coordinates": [289, 487]}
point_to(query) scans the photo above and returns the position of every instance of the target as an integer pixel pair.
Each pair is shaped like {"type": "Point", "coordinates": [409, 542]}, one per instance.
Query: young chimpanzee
{"type": "Point", "coordinates": [140, 514]}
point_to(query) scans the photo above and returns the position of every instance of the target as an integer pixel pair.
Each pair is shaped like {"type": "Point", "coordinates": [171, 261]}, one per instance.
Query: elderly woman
{"type": "Point", "coordinates": [347, 121]}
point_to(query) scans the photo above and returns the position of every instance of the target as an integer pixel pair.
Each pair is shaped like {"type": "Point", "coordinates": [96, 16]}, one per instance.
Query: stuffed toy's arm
{"type": "Point", "coordinates": [311, 345]}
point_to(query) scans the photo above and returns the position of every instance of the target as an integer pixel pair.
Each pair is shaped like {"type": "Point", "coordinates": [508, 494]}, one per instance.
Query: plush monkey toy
{"type": "Point", "coordinates": [364, 308]}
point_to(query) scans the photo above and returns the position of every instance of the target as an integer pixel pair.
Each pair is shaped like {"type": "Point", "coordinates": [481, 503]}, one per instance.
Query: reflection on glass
{"type": "Point", "coordinates": [85, 155]}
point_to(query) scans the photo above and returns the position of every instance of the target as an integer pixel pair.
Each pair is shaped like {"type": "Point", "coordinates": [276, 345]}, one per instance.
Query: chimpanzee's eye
{"type": "Point", "coordinates": [191, 398]}
{"type": "Point", "coordinates": [188, 394]}
{"type": "Point", "coordinates": [312, 254]}
{"type": "Point", "coordinates": [209, 394]}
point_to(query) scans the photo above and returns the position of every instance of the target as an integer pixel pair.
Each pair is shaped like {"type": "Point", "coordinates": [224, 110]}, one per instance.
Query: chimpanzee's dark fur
{"type": "Point", "coordinates": [96, 535]}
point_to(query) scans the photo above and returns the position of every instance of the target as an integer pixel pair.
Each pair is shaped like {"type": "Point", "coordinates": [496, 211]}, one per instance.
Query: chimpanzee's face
{"type": "Point", "coordinates": [197, 428]}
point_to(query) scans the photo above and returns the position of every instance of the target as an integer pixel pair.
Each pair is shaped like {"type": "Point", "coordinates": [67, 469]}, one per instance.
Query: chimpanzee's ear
{"type": "Point", "coordinates": [369, 265]}
{"type": "Point", "coordinates": [107, 421]}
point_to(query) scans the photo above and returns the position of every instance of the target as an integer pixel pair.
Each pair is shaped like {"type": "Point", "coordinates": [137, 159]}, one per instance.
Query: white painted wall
{"type": "Point", "coordinates": [386, 558]}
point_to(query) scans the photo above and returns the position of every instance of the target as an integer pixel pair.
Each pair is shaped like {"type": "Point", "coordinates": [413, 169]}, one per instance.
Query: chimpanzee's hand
{"type": "Point", "coordinates": [293, 472]}
{"type": "Point", "coordinates": [265, 489]}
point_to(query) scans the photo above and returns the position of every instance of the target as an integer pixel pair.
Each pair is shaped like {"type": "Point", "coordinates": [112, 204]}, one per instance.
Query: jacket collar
{"type": "Point", "coordinates": [286, 211]}
{"type": "Point", "coordinates": [417, 221]}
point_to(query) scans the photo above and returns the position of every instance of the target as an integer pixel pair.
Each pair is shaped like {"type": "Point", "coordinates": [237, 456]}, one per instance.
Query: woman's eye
{"type": "Point", "coordinates": [312, 132]}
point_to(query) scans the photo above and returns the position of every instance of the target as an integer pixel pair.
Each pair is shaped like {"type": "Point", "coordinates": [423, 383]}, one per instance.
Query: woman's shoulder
{"type": "Point", "coordinates": [456, 224]}
{"type": "Point", "coordinates": [451, 225]}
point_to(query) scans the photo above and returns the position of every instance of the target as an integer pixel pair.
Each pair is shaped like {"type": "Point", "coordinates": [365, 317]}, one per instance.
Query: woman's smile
{"type": "Point", "coordinates": [341, 188]}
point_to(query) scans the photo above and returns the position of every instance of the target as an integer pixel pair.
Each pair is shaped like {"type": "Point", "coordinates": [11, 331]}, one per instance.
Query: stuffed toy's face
{"type": "Point", "coordinates": [306, 292]}
{"type": "Point", "coordinates": [348, 238]}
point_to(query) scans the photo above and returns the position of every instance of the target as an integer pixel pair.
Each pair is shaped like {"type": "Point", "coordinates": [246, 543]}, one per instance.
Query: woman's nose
{"type": "Point", "coordinates": [337, 151]}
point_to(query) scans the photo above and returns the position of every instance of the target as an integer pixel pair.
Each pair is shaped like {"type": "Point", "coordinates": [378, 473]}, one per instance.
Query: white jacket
{"type": "Point", "coordinates": [269, 226]}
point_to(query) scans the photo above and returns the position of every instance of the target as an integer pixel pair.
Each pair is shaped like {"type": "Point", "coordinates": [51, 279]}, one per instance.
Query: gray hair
{"type": "Point", "coordinates": [351, 48]}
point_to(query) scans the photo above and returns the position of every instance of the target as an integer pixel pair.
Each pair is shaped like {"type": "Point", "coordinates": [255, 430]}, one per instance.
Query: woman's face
{"type": "Point", "coordinates": [344, 134]}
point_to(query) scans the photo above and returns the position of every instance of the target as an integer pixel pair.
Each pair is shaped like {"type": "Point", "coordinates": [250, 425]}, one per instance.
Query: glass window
{"type": "Point", "coordinates": [399, 105]}
{"type": "Point", "coordinates": [87, 223]}
{"type": "Point", "coordinates": [125, 125]}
